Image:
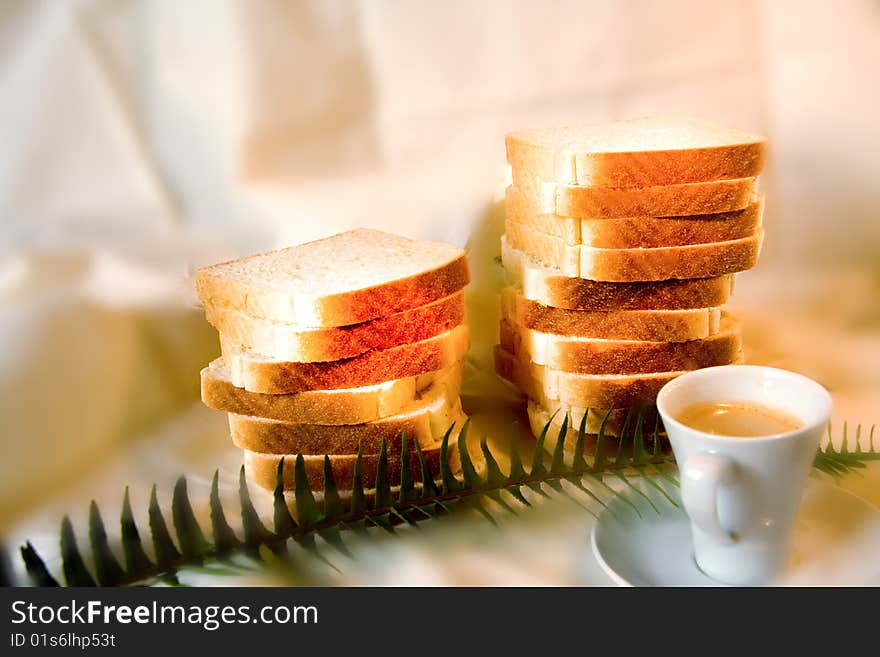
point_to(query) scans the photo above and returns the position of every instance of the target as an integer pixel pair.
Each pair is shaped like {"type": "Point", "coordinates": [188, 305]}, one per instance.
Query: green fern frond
{"type": "Point", "coordinates": [136, 559]}
{"type": "Point", "coordinates": [476, 489]}
{"type": "Point", "coordinates": [838, 461]}
{"type": "Point", "coordinates": [224, 537]}
{"type": "Point", "coordinates": [75, 571]}
{"type": "Point", "coordinates": [36, 567]}
{"type": "Point", "coordinates": [166, 552]}
{"type": "Point", "coordinates": [193, 543]}
{"type": "Point", "coordinates": [107, 568]}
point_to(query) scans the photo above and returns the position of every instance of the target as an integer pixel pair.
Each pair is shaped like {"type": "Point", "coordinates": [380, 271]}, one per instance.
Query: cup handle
{"type": "Point", "coordinates": [701, 476]}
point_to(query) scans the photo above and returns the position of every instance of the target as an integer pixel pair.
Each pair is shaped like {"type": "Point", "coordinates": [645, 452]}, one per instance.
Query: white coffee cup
{"type": "Point", "coordinates": [742, 494]}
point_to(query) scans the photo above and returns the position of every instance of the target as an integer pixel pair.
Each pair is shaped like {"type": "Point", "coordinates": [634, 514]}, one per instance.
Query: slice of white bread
{"type": "Point", "coordinates": [638, 264]}
{"type": "Point", "coordinates": [539, 416]}
{"type": "Point", "coordinates": [632, 232]}
{"type": "Point", "coordinates": [421, 421]}
{"type": "Point", "coordinates": [262, 469]}
{"type": "Point", "coordinates": [258, 373]}
{"type": "Point", "coordinates": [546, 385]}
{"type": "Point", "coordinates": [637, 153]}
{"type": "Point", "coordinates": [345, 279]}
{"type": "Point", "coordinates": [289, 342]}
{"type": "Point", "coordinates": [652, 325]}
{"type": "Point", "coordinates": [548, 286]}
{"type": "Point", "coordinates": [344, 406]}
{"type": "Point", "coordinates": [685, 199]}
{"type": "Point", "coordinates": [603, 356]}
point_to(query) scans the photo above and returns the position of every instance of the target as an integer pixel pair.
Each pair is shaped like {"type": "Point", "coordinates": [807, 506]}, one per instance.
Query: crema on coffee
{"type": "Point", "coordinates": [738, 419]}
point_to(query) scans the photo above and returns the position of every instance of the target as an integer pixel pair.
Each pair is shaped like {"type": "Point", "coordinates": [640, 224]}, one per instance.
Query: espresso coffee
{"type": "Point", "coordinates": [738, 419]}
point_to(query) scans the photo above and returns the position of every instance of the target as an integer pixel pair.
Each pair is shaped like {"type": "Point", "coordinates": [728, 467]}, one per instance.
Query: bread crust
{"type": "Point", "coordinates": [592, 356]}
{"type": "Point", "coordinates": [639, 264]}
{"type": "Point", "coordinates": [289, 342]}
{"type": "Point", "coordinates": [420, 422]}
{"type": "Point", "coordinates": [339, 309]}
{"type": "Point", "coordinates": [731, 155]}
{"type": "Point", "coordinates": [551, 288]}
{"type": "Point", "coordinates": [259, 374]}
{"type": "Point", "coordinates": [545, 385]}
{"type": "Point", "coordinates": [345, 406]}
{"type": "Point", "coordinates": [653, 325]}
{"type": "Point", "coordinates": [671, 167]}
{"type": "Point", "coordinates": [629, 232]}
{"type": "Point", "coordinates": [683, 199]}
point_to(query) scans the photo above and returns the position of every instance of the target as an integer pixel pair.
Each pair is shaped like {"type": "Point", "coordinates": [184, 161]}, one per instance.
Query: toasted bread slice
{"type": "Point", "coordinates": [345, 279]}
{"type": "Point", "coordinates": [639, 265]}
{"type": "Point", "coordinates": [686, 199]}
{"type": "Point", "coordinates": [630, 232]}
{"type": "Point", "coordinates": [287, 342]}
{"type": "Point", "coordinates": [258, 373]}
{"type": "Point", "coordinates": [345, 406]}
{"type": "Point", "coordinates": [546, 385]}
{"type": "Point", "coordinates": [424, 419]}
{"type": "Point", "coordinates": [603, 356]}
{"type": "Point", "coordinates": [637, 153]}
{"type": "Point", "coordinates": [548, 286]}
{"type": "Point", "coordinates": [653, 325]}
{"type": "Point", "coordinates": [263, 468]}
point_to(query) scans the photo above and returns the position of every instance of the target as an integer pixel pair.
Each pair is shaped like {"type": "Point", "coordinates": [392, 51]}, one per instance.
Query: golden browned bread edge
{"type": "Point", "coordinates": [288, 342]}
{"type": "Point", "coordinates": [588, 356]}
{"type": "Point", "coordinates": [276, 377]}
{"type": "Point", "coordinates": [420, 422]}
{"type": "Point", "coordinates": [665, 200]}
{"type": "Point", "coordinates": [653, 325]}
{"type": "Point", "coordinates": [550, 288]}
{"type": "Point", "coordinates": [631, 232]}
{"type": "Point", "coordinates": [546, 385]}
{"type": "Point", "coordinates": [340, 309]}
{"type": "Point", "coordinates": [638, 168]}
{"type": "Point", "coordinates": [640, 264]}
{"type": "Point", "coordinates": [343, 406]}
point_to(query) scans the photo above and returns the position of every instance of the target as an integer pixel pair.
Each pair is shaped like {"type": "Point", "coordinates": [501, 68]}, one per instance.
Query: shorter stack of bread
{"type": "Point", "coordinates": [336, 346]}
{"type": "Point", "coordinates": [620, 246]}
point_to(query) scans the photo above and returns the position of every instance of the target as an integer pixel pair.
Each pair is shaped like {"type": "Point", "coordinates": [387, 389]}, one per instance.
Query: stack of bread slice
{"type": "Point", "coordinates": [337, 346]}
{"type": "Point", "coordinates": [620, 246]}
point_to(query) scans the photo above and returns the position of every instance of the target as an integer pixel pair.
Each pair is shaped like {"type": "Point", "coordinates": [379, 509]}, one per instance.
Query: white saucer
{"type": "Point", "coordinates": [836, 543]}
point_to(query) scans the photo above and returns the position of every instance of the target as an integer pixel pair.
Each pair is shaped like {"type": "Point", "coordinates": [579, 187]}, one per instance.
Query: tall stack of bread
{"type": "Point", "coordinates": [337, 345]}
{"type": "Point", "coordinates": [620, 246]}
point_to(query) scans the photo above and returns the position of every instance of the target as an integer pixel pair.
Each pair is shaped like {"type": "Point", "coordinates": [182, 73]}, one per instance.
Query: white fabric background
{"type": "Point", "coordinates": [143, 138]}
